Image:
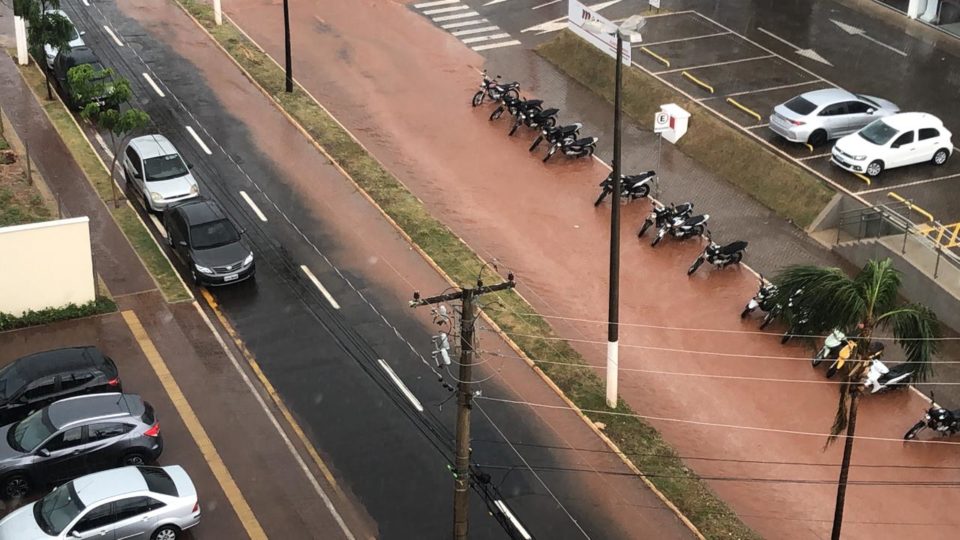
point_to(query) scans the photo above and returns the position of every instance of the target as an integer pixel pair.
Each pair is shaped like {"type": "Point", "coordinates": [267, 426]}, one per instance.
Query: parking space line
{"type": "Point", "coordinates": [323, 290]}
{"type": "Point", "coordinates": [678, 40]}
{"type": "Point", "coordinates": [757, 126]}
{"type": "Point", "coordinates": [479, 48]}
{"type": "Point", "coordinates": [199, 434]}
{"type": "Point", "coordinates": [914, 183]}
{"type": "Point", "coordinates": [462, 24]}
{"type": "Point", "coordinates": [253, 205]}
{"type": "Point", "coordinates": [456, 16]}
{"type": "Point", "coordinates": [814, 157]}
{"type": "Point", "coordinates": [113, 36]}
{"type": "Point", "coordinates": [474, 31]}
{"type": "Point", "coordinates": [697, 81]}
{"type": "Point", "coordinates": [445, 10]}
{"type": "Point", "coordinates": [423, 5]}
{"type": "Point", "coordinates": [769, 89]}
{"type": "Point", "coordinates": [745, 109]}
{"type": "Point", "coordinates": [403, 388]}
{"type": "Point", "coordinates": [199, 141]}
{"type": "Point", "coordinates": [717, 64]}
{"type": "Point", "coordinates": [896, 196]}
{"type": "Point", "coordinates": [655, 55]}
{"type": "Point", "coordinates": [485, 38]}
{"type": "Point", "coordinates": [153, 85]}
{"type": "Point", "coordinates": [550, 3]}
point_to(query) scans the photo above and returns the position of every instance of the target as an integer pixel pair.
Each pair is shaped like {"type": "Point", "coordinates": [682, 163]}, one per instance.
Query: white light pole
{"type": "Point", "coordinates": [20, 29]}
{"type": "Point", "coordinates": [627, 31]}
{"type": "Point", "coordinates": [217, 14]}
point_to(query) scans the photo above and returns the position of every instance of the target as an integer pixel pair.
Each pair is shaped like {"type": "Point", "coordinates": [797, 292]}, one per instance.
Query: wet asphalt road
{"type": "Point", "coordinates": [321, 360]}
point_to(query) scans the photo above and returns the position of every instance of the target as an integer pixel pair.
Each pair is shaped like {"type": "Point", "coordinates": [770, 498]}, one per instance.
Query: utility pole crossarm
{"type": "Point", "coordinates": [480, 289]}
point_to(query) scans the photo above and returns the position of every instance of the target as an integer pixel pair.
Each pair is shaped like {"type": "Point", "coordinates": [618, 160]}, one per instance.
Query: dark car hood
{"type": "Point", "coordinates": [220, 256]}
{"type": "Point", "coordinates": [6, 452]}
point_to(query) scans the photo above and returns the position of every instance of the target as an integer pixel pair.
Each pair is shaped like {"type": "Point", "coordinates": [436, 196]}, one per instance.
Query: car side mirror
{"type": "Point", "coordinates": [871, 111]}
{"type": "Point", "coordinates": [83, 32]}
{"type": "Point", "coordinates": [182, 243]}
{"type": "Point", "coordinates": [74, 534]}
{"type": "Point", "coordinates": [189, 165]}
{"type": "Point", "coordinates": [43, 452]}
{"type": "Point", "coordinates": [136, 175]}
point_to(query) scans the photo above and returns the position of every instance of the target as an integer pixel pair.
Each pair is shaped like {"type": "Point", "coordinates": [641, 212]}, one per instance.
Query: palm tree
{"type": "Point", "coordinates": [831, 299]}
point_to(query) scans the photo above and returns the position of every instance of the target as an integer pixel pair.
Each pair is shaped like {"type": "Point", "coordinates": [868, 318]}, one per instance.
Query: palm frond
{"type": "Point", "coordinates": [880, 283]}
{"type": "Point", "coordinates": [832, 298]}
{"type": "Point", "coordinates": [915, 328]}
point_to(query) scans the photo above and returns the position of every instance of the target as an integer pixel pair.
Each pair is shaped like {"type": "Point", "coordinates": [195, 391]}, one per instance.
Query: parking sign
{"type": "Point", "coordinates": [661, 122]}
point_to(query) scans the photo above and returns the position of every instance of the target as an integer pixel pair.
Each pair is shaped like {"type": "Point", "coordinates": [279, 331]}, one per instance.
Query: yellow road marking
{"type": "Point", "coordinates": [862, 177]}
{"type": "Point", "coordinates": [210, 454]}
{"type": "Point", "coordinates": [910, 205]}
{"type": "Point", "coordinates": [747, 110]}
{"type": "Point", "coordinates": [697, 81]}
{"type": "Point", "coordinates": [272, 392]}
{"type": "Point", "coordinates": [810, 146]}
{"type": "Point", "coordinates": [655, 55]}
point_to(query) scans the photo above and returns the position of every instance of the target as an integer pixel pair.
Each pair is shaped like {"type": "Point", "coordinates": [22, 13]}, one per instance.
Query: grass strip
{"type": "Point", "coordinates": [125, 216]}
{"type": "Point", "coordinates": [50, 315]}
{"type": "Point", "coordinates": [20, 202]}
{"type": "Point", "coordinates": [784, 187]}
{"type": "Point", "coordinates": [561, 362]}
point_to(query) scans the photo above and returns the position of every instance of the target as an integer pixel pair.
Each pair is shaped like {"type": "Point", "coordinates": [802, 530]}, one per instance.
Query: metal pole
{"type": "Point", "coordinates": [286, 43]}
{"type": "Point", "coordinates": [217, 13]}
{"type": "Point", "coordinates": [613, 330]}
{"type": "Point", "coordinates": [465, 394]}
{"type": "Point", "coordinates": [936, 269]}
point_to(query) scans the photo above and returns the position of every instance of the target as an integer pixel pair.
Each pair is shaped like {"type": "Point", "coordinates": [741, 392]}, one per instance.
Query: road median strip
{"type": "Point", "coordinates": [561, 365]}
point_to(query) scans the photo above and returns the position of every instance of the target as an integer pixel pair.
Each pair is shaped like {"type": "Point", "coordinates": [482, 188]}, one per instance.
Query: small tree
{"type": "Point", "coordinates": [45, 29]}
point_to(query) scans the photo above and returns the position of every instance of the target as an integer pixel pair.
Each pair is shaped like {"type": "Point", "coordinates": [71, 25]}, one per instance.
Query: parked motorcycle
{"type": "Point", "coordinates": [831, 346]}
{"type": "Point", "coordinates": [798, 320]}
{"type": "Point", "coordinates": [847, 352]}
{"type": "Point", "coordinates": [574, 148]}
{"type": "Point", "coordinates": [681, 228]}
{"type": "Point", "coordinates": [515, 105]}
{"type": "Point", "coordinates": [557, 134]}
{"type": "Point", "coordinates": [534, 119]}
{"type": "Point", "coordinates": [938, 419]}
{"type": "Point", "coordinates": [634, 186]}
{"type": "Point", "coordinates": [491, 88]}
{"type": "Point", "coordinates": [763, 300]}
{"type": "Point", "coordinates": [719, 256]}
{"type": "Point", "coordinates": [662, 214]}
{"type": "Point", "coordinates": [882, 379]}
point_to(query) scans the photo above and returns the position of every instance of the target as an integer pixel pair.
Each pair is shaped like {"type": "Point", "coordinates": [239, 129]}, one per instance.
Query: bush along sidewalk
{"type": "Point", "coordinates": [50, 315]}
{"type": "Point", "coordinates": [638, 440]}
{"type": "Point", "coordinates": [790, 191]}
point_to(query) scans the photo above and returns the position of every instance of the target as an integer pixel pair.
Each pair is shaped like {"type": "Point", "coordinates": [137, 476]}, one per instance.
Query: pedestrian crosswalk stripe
{"type": "Point", "coordinates": [423, 5]}
{"type": "Point", "coordinates": [474, 30]}
{"type": "Point", "coordinates": [486, 38]}
{"type": "Point", "coordinates": [495, 45]}
{"type": "Point", "coordinates": [462, 24]}
{"type": "Point", "coordinates": [445, 10]}
{"type": "Point", "coordinates": [457, 16]}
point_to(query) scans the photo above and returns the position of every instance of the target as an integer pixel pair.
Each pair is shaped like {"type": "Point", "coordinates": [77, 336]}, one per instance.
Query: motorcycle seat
{"type": "Point", "coordinates": [546, 113]}
{"type": "Point", "coordinates": [530, 103]}
{"type": "Point", "coordinates": [682, 208]}
{"type": "Point", "coordinates": [695, 220]}
{"type": "Point", "coordinates": [634, 178]}
{"type": "Point", "coordinates": [509, 85]}
{"type": "Point", "coordinates": [584, 141]}
{"type": "Point", "coordinates": [563, 130]}
{"type": "Point", "coordinates": [733, 247]}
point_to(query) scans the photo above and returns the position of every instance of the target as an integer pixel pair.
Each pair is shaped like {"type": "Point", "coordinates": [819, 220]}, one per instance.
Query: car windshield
{"type": "Point", "coordinates": [27, 434]}
{"type": "Point", "coordinates": [11, 380]}
{"type": "Point", "coordinates": [213, 234]}
{"type": "Point", "coordinates": [800, 105]}
{"type": "Point", "coordinates": [165, 167]}
{"type": "Point", "coordinates": [73, 33]}
{"type": "Point", "coordinates": [868, 101]}
{"type": "Point", "coordinates": [878, 133]}
{"type": "Point", "coordinates": [58, 509]}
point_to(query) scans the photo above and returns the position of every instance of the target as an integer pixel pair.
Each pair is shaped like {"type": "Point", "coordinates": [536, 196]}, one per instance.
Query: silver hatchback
{"type": "Point", "coordinates": [130, 502]}
{"type": "Point", "coordinates": [818, 116]}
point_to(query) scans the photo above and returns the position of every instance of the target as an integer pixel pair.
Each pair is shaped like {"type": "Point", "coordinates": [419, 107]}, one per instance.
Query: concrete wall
{"type": "Point", "coordinates": [44, 265]}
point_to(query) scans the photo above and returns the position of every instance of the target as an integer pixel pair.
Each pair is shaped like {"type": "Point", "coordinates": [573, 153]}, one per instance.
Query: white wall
{"type": "Point", "coordinates": [44, 265]}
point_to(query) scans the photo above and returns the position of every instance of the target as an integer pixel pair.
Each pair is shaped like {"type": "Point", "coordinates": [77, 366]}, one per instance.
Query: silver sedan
{"type": "Point", "coordinates": [818, 116]}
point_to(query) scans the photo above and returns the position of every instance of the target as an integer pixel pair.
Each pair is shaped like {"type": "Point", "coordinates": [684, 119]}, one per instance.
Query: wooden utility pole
{"type": "Point", "coordinates": [468, 316]}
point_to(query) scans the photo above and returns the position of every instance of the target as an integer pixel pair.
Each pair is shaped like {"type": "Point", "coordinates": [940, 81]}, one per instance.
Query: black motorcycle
{"type": "Point", "coordinates": [719, 256]}
{"type": "Point", "coordinates": [798, 318]}
{"type": "Point", "coordinates": [534, 119]}
{"type": "Point", "coordinates": [556, 134]}
{"type": "Point", "coordinates": [938, 419]}
{"type": "Point", "coordinates": [682, 228]}
{"type": "Point", "coordinates": [634, 186]}
{"type": "Point", "coordinates": [574, 148]}
{"type": "Point", "coordinates": [494, 90]}
{"type": "Point", "coordinates": [763, 300]}
{"type": "Point", "coordinates": [515, 105]}
{"type": "Point", "coordinates": [661, 214]}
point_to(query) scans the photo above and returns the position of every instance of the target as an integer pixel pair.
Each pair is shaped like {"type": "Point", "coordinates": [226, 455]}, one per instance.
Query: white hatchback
{"type": "Point", "coordinates": [894, 141]}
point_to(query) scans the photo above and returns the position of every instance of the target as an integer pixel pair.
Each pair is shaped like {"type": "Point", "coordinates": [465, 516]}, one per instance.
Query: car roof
{"type": "Point", "coordinates": [81, 55]}
{"type": "Point", "coordinates": [79, 408]}
{"type": "Point", "coordinates": [828, 96]}
{"type": "Point", "coordinates": [909, 120]}
{"type": "Point", "coordinates": [96, 487]}
{"type": "Point", "coordinates": [60, 12]}
{"type": "Point", "coordinates": [46, 363]}
{"type": "Point", "coordinates": [150, 146]}
{"type": "Point", "coordinates": [200, 211]}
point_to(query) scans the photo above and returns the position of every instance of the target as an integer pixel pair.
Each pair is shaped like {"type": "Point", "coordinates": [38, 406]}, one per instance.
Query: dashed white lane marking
{"type": "Point", "coordinates": [457, 16]}
{"type": "Point", "coordinates": [86, 3]}
{"type": "Point", "coordinates": [513, 519]}
{"type": "Point", "coordinates": [323, 290]}
{"type": "Point", "coordinates": [678, 40]}
{"type": "Point", "coordinates": [403, 388]}
{"type": "Point", "coordinates": [495, 45]}
{"type": "Point", "coordinates": [424, 5]}
{"type": "Point", "coordinates": [253, 205]}
{"type": "Point", "coordinates": [485, 38]}
{"type": "Point", "coordinates": [445, 10]}
{"type": "Point", "coordinates": [474, 31]}
{"type": "Point", "coordinates": [717, 64]}
{"type": "Point", "coordinates": [550, 3]}
{"type": "Point", "coordinates": [113, 36]}
{"type": "Point", "coordinates": [462, 24]}
{"type": "Point", "coordinates": [153, 85]}
{"type": "Point", "coordinates": [156, 223]}
{"type": "Point", "coordinates": [200, 142]}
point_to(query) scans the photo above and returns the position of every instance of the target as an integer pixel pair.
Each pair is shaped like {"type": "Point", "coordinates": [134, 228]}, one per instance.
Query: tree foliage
{"type": "Point", "coordinates": [44, 27]}
{"type": "Point", "coordinates": [112, 93]}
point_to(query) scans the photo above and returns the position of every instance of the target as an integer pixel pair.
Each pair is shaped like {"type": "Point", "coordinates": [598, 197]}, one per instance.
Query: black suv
{"type": "Point", "coordinates": [71, 58]}
{"type": "Point", "coordinates": [209, 244]}
{"type": "Point", "coordinates": [76, 436]}
{"type": "Point", "coordinates": [37, 380]}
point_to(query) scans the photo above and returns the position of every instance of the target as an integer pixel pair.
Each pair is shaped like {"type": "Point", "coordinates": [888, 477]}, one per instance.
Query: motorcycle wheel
{"type": "Point", "coordinates": [550, 122]}
{"type": "Point", "coordinates": [603, 195]}
{"type": "Point", "coordinates": [832, 370]}
{"type": "Point", "coordinates": [590, 151]}
{"type": "Point", "coordinates": [693, 267]}
{"type": "Point", "coordinates": [745, 312]}
{"type": "Point", "coordinates": [916, 429]}
{"type": "Point", "coordinates": [553, 149]}
{"type": "Point", "coordinates": [478, 99]}
{"type": "Point", "coordinates": [516, 124]}
{"type": "Point", "coordinates": [767, 319]}
{"type": "Point", "coordinates": [642, 192]}
{"type": "Point", "coordinates": [698, 231]}
{"type": "Point", "coordinates": [786, 337]}
{"type": "Point", "coordinates": [817, 359]}
{"type": "Point", "coordinates": [536, 143]}
{"type": "Point", "coordinates": [646, 225]}
{"type": "Point", "coordinates": [512, 93]}
{"type": "Point", "coordinates": [497, 113]}
{"type": "Point", "coordinates": [737, 257]}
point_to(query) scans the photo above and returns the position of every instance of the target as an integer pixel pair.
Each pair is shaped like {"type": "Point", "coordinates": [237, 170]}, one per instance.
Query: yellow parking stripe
{"type": "Point", "coordinates": [745, 109]}
{"type": "Point", "coordinates": [697, 81]}
{"type": "Point", "coordinates": [210, 454]}
{"type": "Point", "coordinates": [810, 146]}
{"type": "Point", "coordinates": [655, 55]}
{"type": "Point", "coordinates": [862, 177]}
{"type": "Point", "coordinates": [896, 196]}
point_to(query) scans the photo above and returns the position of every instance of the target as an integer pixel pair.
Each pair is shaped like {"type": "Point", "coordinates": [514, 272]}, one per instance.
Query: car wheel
{"type": "Point", "coordinates": [167, 532]}
{"type": "Point", "coordinates": [941, 156]}
{"type": "Point", "coordinates": [874, 168]}
{"type": "Point", "coordinates": [16, 486]}
{"type": "Point", "coordinates": [817, 138]}
{"type": "Point", "coordinates": [134, 458]}
{"type": "Point", "coordinates": [194, 276]}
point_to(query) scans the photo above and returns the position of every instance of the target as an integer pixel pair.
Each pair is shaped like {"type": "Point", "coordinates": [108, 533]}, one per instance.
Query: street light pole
{"type": "Point", "coordinates": [286, 43]}
{"type": "Point", "coordinates": [613, 329]}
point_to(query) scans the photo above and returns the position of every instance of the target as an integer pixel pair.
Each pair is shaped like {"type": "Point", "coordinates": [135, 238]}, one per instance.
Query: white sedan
{"type": "Point", "coordinates": [894, 141]}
